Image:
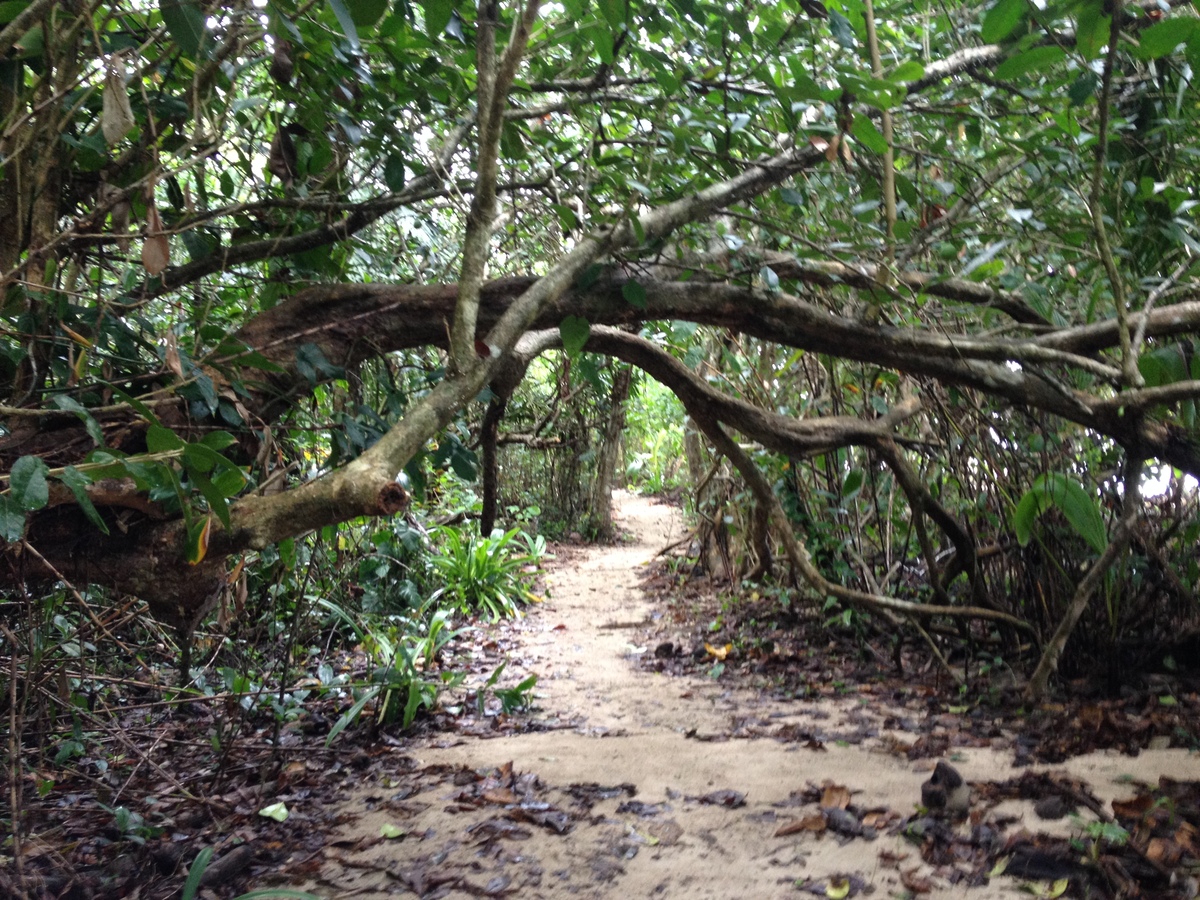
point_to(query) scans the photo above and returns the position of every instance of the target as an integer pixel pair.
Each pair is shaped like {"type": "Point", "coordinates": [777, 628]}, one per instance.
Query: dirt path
{"type": "Point", "coordinates": [646, 816]}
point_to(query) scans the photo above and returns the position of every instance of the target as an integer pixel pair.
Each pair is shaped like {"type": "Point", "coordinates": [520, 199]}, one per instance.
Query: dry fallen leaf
{"type": "Point", "coordinates": [156, 251]}
{"type": "Point", "coordinates": [879, 818]}
{"type": "Point", "coordinates": [667, 832]}
{"type": "Point", "coordinates": [814, 823]}
{"type": "Point", "coordinates": [918, 884]}
{"type": "Point", "coordinates": [116, 115]}
{"type": "Point", "coordinates": [718, 652]}
{"type": "Point", "coordinates": [1164, 852]}
{"type": "Point", "coordinates": [282, 66]}
{"type": "Point", "coordinates": [501, 796]}
{"type": "Point", "coordinates": [171, 355]}
{"type": "Point", "coordinates": [726, 797]}
{"type": "Point", "coordinates": [835, 796]}
{"type": "Point", "coordinates": [831, 149]}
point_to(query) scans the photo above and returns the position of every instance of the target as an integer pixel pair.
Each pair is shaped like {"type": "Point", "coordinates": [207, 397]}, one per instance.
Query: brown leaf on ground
{"type": "Point", "coordinates": [814, 823]}
{"type": "Point", "coordinates": [880, 819]}
{"type": "Point", "coordinates": [890, 860]}
{"type": "Point", "coordinates": [730, 798]}
{"type": "Point", "coordinates": [501, 796]}
{"type": "Point", "coordinates": [587, 794]}
{"type": "Point", "coordinates": [915, 882]}
{"type": "Point", "coordinates": [667, 832]}
{"type": "Point", "coordinates": [493, 829]}
{"type": "Point", "coordinates": [552, 819]}
{"type": "Point", "coordinates": [1164, 852]}
{"type": "Point", "coordinates": [835, 796]}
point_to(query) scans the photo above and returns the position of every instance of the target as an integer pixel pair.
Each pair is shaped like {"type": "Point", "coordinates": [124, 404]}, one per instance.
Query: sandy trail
{"type": "Point", "coordinates": [638, 728]}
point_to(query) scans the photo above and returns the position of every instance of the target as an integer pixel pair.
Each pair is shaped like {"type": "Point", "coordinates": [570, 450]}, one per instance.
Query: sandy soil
{"type": "Point", "coordinates": [618, 725]}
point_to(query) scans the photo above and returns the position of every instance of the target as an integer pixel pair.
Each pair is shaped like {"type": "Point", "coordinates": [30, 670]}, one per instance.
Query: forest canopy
{"type": "Point", "coordinates": [923, 278]}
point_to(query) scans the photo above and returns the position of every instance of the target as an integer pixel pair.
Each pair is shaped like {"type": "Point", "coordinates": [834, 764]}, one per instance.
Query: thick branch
{"type": "Point", "coordinates": [798, 554]}
{"type": "Point", "coordinates": [351, 323]}
{"type": "Point", "coordinates": [495, 79]}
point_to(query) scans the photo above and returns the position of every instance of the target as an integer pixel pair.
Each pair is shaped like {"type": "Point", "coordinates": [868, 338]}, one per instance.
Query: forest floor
{"type": "Point", "coordinates": [645, 770]}
{"type": "Point", "coordinates": [678, 745]}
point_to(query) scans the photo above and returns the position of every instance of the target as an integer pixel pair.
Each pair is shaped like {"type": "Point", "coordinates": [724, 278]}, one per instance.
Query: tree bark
{"type": "Point", "coordinates": [488, 432]}
{"type": "Point", "coordinates": [600, 501]}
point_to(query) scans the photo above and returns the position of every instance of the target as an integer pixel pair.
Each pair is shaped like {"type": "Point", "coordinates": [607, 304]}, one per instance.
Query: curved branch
{"type": "Point", "coordinates": [798, 554]}
{"type": "Point", "coordinates": [353, 322]}
{"type": "Point", "coordinates": [712, 409]}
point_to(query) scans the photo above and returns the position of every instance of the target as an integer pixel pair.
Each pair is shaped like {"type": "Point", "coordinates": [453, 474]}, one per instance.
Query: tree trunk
{"type": "Point", "coordinates": [488, 433]}
{"type": "Point", "coordinates": [606, 459]}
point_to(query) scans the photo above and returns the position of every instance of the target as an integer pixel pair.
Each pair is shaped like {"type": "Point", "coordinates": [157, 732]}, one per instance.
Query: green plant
{"type": "Point", "coordinates": [486, 574]}
{"type": "Point", "coordinates": [405, 651]}
{"type": "Point", "coordinates": [512, 699]}
{"type": "Point", "coordinates": [131, 825]}
{"type": "Point", "coordinates": [1094, 834]}
{"type": "Point", "coordinates": [200, 865]}
{"type": "Point", "coordinates": [518, 697]}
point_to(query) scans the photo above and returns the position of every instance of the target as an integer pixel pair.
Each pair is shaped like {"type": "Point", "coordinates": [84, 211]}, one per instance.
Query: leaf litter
{"type": "Point", "coordinates": [786, 763]}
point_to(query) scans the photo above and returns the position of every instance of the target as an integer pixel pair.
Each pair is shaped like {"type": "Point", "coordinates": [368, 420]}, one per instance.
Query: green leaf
{"type": "Point", "coordinates": [351, 714]}
{"type": "Point", "coordinates": [868, 135]}
{"type": "Point", "coordinates": [791, 196]}
{"type": "Point", "coordinates": [195, 873]}
{"type": "Point", "coordinates": [229, 481]}
{"type": "Point", "coordinates": [198, 458]}
{"type": "Point", "coordinates": [803, 87]}
{"type": "Point", "coordinates": [984, 257]}
{"type": "Point", "coordinates": [137, 404]}
{"type": "Point", "coordinates": [1092, 29]}
{"type": "Point", "coordinates": [77, 481]}
{"type": "Point", "coordinates": [216, 499]}
{"type": "Point", "coordinates": [634, 294]}
{"type": "Point", "coordinates": [12, 519]}
{"type": "Point", "coordinates": [575, 332]}
{"type": "Point", "coordinates": [1029, 61]}
{"type": "Point", "coordinates": [27, 483]}
{"type": "Point", "coordinates": [367, 12]}
{"type": "Point", "coordinates": [277, 811]}
{"type": "Point", "coordinates": [185, 22]}
{"type": "Point", "coordinates": [463, 462]}
{"type": "Point", "coordinates": [906, 72]}
{"type": "Point", "coordinates": [346, 21]}
{"type": "Point", "coordinates": [1079, 508]}
{"type": "Point", "coordinates": [10, 9]}
{"type": "Point", "coordinates": [614, 13]}
{"type": "Point", "coordinates": [567, 220]}
{"type": "Point", "coordinates": [197, 540]}
{"type": "Point", "coordinates": [1083, 88]}
{"type": "Point", "coordinates": [162, 440]}
{"type": "Point", "coordinates": [70, 404]}
{"type": "Point", "coordinates": [437, 16]}
{"type": "Point", "coordinates": [1163, 37]}
{"type": "Point", "coordinates": [1027, 510]}
{"type": "Point", "coordinates": [853, 483]}
{"type": "Point", "coordinates": [843, 31]}
{"type": "Point", "coordinates": [393, 173]}
{"type": "Point", "coordinates": [391, 831]}
{"type": "Point", "coordinates": [217, 440]}
{"type": "Point", "coordinates": [602, 40]}
{"type": "Point", "coordinates": [1001, 19]}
